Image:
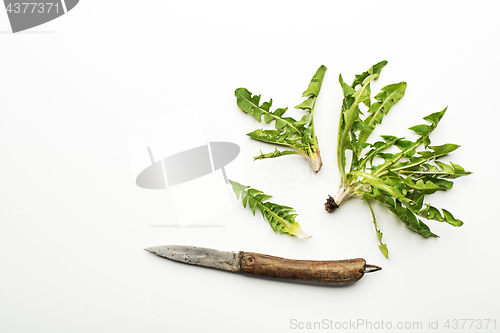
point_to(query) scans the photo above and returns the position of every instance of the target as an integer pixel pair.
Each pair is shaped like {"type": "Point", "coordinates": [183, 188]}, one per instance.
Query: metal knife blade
{"type": "Point", "coordinates": [330, 272]}
{"type": "Point", "coordinates": [201, 256]}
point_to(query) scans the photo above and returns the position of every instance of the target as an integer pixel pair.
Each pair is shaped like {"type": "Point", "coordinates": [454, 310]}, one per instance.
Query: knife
{"type": "Point", "coordinates": [331, 272]}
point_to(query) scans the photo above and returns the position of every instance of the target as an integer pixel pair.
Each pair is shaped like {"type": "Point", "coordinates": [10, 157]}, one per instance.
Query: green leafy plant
{"type": "Point", "coordinates": [281, 218]}
{"type": "Point", "coordinates": [288, 132]}
{"type": "Point", "coordinates": [402, 180]}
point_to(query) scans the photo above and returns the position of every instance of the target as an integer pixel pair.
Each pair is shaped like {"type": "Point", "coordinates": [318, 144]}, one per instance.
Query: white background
{"type": "Point", "coordinates": [73, 224]}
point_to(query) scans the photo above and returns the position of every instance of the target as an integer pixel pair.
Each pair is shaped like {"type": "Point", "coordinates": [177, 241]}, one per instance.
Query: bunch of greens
{"type": "Point", "coordinates": [298, 135]}
{"type": "Point", "coordinates": [281, 218]}
{"type": "Point", "coordinates": [402, 180]}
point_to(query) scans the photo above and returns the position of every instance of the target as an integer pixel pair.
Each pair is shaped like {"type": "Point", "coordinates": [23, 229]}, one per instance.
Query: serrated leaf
{"type": "Point", "coordinates": [350, 114]}
{"type": "Point", "coordinates": [451, 220]}
{"type": "Point", "coordinates": [417, 167]}
{"type": "Point", "coordinates": [276, 153]}
{"type": "Point", "coordinates": [238, 188]}
{"type": "Point", "coordinates": [388, 156]}
{"type": "Point", "coordinates": [270, 136]}
{"type": "Point", "coordinates": [307, 104]}
{"type": "Point", "coordinates": [378, 147]}
{"type": "Point", "coordinates": [403, 213]}
{"type": "Point", "coordinates": [442, 183]}
{"type": "Point", "coordinates": [438, 150]}
{"type": "Point", "coordinates": [425, 131]}
{"type": "Point", "coordinates": [408, 147]}
{"type": "Point", "coordinates": [445, 167]}
{"type": "Point", "coordinates": [435, 118]}
{"type": "Point", "coordinates": [432, 213]}
{"type": "Point", "coordinates": [422, 130]}
{"type": "Point", "coordinates": [362, 95]}
{"type": "Point", "coordinates": [250, 104]}
{"type": "Point", "coordinates": [389, 96]}
{"type": "Point", "coordinates": [375, 69]}
{"type": "Point", "coordinates": [421, 185]}
{"type": "Point", "coordinates": [315, 86]}
{"type": "Point", "coordinates": [382, 246]}
{"type": "Point", "coordinates": [305, 120]}
{"type": "Point", "coordinates": [359, 146]}
{"type": "Point", "coordinates": [246, 101]}
{"type": "Point", "coordinates": [281, 218]}
{"type": "Point", "coordinates": [347, 89]}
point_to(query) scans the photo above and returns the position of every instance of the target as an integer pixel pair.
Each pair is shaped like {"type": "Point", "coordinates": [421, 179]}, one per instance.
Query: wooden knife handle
{"type": "Point", "coordinates": [334, 272]}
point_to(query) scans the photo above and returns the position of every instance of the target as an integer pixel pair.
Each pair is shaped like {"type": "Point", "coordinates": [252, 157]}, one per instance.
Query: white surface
{"type": "Point", "coordinates": [73, 224]}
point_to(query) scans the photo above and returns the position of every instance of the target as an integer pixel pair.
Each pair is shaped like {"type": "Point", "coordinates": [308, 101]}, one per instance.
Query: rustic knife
{"type": "Point", "coordinates": [331, 272]}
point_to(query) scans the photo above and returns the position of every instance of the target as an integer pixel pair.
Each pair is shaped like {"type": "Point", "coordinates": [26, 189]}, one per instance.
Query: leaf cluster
{"type": "Point", "coordinates": [402, 180]}
{"type": "Point", "coordinates": [299, 135]}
